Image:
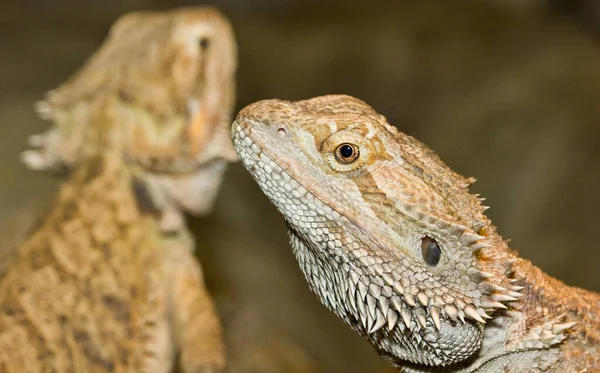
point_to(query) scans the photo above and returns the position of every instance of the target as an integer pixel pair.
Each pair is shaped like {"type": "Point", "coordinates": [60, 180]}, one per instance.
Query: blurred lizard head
{"type": "Point", "coordinates": [160, 91]}
{"type": "Point", "coordinates": [379, 225]}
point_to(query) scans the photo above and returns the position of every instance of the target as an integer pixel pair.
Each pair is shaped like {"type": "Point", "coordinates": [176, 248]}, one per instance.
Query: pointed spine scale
{"type": "Point", "coordinates": [461, 316]}
{"type": "Point", "coordinates": [498, 297]}
{"type": "Point", "coordinates": [392, 319]}
{"type": "Point", "coordinates": [471, 238]}
{"type": "Point", "coordinates": [388, 279]}
{"type": "Point", "coordinates": [397, 303]}
{"type": "Point", "coordinates": [490, 287]}
{"type": "Point", "coordinates": [492, 304]}
{"type": "Point", "coordinates": [370, 322]}
{"type": "Point", "coordinates": [384, 304]}
{"type": "Point", "coordinates": [375, 290]}
{"type": "Point", "coordinates": [473, 314]}
{"type": "Point", "coordinates": [422, 298]}
{"type": "Point", "coordinates": [398, 288]}
{"type": "Point", "coordinates": [482, 313]}
{"type": "Point", "coordinates": [451, 311]}
{"type": "Point", "coordinates": [559, 328]}
{"type": "Point", "coordinates": [379, 322]}
{"type": "Point", "coordinates": [371, 305]}
{"type": "Point", "coordinates": [410, 300]}
{"type": "Point", "coordinates": [421, 317]}
{"type": "Point", "coordinates": [362, 289]}
{"type": "Point", "coordinates": [438, 301]}
{"type": "Point", "coordinates": [361, 307]}
{"type": "Point", "coordinates": [406, 317]}
{"type": "Point", "coordinates": [478, 246]}
{"type": "Point", "coordinates": [516, 288]}
{"type": "Point", "coordinates": [513, 294]}
{"type": "Point", "coordinates": [435, 316]}
{"type": "Point", "coordinates": [483, 274]}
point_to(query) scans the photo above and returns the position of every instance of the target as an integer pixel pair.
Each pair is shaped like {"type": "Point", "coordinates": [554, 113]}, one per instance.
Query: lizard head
{"type": "Point", "coordinates": [164, 83]}
{"type": "Point", "coordinates": [386, 234]}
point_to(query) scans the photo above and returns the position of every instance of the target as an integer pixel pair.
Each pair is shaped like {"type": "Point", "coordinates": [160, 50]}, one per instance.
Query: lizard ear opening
{"type": "Point", "coordinates": [431, 251]}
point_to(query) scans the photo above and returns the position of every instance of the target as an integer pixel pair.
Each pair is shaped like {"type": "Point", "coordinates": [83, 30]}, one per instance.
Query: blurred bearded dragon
{"type": "Point", "coordinates": [391, 240]}
{"type": "Point", "coordinates": [108, 281]}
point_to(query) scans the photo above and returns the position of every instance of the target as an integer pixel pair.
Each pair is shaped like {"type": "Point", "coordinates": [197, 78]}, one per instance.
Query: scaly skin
{"type": "Point", "coordinates": [108, 281]}
{"type": "Point", "coordinates": [365, 224]}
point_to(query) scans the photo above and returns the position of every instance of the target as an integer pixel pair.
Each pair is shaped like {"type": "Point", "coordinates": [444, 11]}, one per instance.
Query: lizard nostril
{"type": "Point", "coordinates": [282, 131]}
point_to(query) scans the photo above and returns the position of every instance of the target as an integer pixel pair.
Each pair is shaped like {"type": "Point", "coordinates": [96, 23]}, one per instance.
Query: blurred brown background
{"type": "Point", "coordinates": [506, 91]}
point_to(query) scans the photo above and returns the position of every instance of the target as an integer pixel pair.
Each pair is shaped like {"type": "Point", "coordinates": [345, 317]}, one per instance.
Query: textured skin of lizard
{"type": "Point", "coordinates": [391, 240]}
{"type": "Point", "coordinates": [108, 281]}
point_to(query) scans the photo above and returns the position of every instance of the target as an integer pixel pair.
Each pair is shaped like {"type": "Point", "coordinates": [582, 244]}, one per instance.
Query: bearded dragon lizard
{"type": "Point", "coordinates": [108, 281]}
{"type": "Point", "coordinates": [391, 240]}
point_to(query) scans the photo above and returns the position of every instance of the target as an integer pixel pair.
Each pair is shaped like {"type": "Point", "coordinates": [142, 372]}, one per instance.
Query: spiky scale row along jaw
{"type": "Point", "coordinates": [169, 78]}
{"type": "Point", "coordinates": [359, 199]}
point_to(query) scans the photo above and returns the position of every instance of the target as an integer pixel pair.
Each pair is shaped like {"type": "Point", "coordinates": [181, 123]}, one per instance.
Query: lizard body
{"type": "Point", "coordinates": [391, 240]}
{"type": "Point", "coordinates": [108, 281]}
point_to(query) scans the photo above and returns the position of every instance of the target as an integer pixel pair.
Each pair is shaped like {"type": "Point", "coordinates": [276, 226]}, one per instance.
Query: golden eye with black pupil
{"type": "Point", "coordinates": [203, 43]}
{"type": "Point", "coordinates": [431, 251]}
{"type": "Point", "coordinates": [346, 153]}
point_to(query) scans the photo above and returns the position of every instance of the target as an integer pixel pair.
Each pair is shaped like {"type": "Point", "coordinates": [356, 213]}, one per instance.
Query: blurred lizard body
{"type": "Point", "coordinates": [391, 240]}
{"type": "Point", "coordinates": [108, 281]}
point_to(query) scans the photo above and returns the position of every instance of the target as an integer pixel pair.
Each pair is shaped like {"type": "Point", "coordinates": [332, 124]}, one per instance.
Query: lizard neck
{"type": "Point", "coordinates": [549, 323]}
{"type": "Point", "coordinates": [102, 189]}
{"type": "Point", "coordinates": [95, 214]}
{"type": "Point", "coordinates": [542, 297]}
{"type": "Point", "coordinates": [547, 298]}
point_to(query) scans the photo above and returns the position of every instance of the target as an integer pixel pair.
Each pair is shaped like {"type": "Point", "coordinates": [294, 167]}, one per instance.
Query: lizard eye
{"type": "Point", "coordinates": [346, 153]}
{"type": "Point", "coordinates": [431, 251]}
{"type": "Point", "coordinates": [203, 43]}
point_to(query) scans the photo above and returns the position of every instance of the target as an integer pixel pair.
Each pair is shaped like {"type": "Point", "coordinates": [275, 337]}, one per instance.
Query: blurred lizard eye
{"type": "Point", "coordinates": [346, 153]}
{"type": "Point", "coordinates": [431, 251]}
{"type": "Point", "coordinates": [203, 43]}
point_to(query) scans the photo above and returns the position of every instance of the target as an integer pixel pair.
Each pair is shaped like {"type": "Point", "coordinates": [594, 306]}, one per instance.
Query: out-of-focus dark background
{"type": "Point", "coordinates": [506, 91]}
